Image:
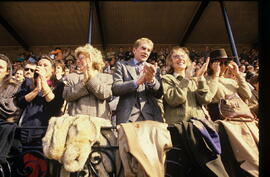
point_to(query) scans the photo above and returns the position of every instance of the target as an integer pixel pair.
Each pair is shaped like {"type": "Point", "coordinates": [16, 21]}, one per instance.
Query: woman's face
{"type": "Point", "coordinates": [47, 65]}
{"type": "Point", "coordinates": [19, 75]}
{"type": "Point", "coordinates": [82, 62]}
{"type": "Point", "coordinates": [179, 60]}
{"type": "Point", "coordinates": [66, 71]}
{"type": "Point", "coordinates": [59, 70]}
{"type": "Point", "coordinates": [3, 69]}
{"type": "Point", "coordinates": [222, 63]}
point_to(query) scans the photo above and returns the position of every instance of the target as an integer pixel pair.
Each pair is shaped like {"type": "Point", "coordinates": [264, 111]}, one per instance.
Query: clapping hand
{"type": "Point", "coordinates": [89, 71]}
{"type": "Point", "coordinates": [149, 72]}
{"type": "Point", "coordinates": [190, 70]}
{"type": "Point", "coordinates": [41, 72]}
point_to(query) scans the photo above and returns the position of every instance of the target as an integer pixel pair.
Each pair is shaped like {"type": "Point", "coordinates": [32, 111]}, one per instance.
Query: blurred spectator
{"type": "Point", "coordinates": [244, 54]}
{"type": "Point", "coordinates": [19, 75]}
{"type": "Point", "coordinates": [73, 68]}
{"type": "Point", "coordinates": [128, 54]}
{"type": "Point", "coordinates": [110, 53]}
{"type": "Point", "coordinates": [193, 55]}
{"type": "Point", "coordinates": [8, 87]}
{"type": "Point", "coordinates": [121, 54]}
{"type": "Point", "coordinates": [163, 70]}
{"type": "Point", "coordinates": [205, 53]}
{"type": "Point", "coordinates": [250, 72]}
{"type": "Point", "coordinates": [29, 70]}
{"type": "Point", "coordinates": [59, 69]}
{"type": "Point", "coordinates": [18, 64]}
{"type": "Point", "coordinates": [56, 54]}
{"type": "Point", "coordinates": [66, 71]}
{"type": "Point", "coordinates": [107, 68]}
{"type": "Point", "coordinates": [242, 69]}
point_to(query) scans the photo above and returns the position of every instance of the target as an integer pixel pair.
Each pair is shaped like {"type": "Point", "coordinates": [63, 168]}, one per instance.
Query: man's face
{"type": "Point", "coordinates": [142, 52]}
{"type": "Point", "coordinates": [29, 71]}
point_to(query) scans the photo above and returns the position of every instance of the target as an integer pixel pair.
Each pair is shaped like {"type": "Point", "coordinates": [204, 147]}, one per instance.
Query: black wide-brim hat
{"type": "Point", "coordinates": [219, 54]}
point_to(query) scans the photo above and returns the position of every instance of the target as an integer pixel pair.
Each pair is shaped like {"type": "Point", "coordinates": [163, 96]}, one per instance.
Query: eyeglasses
{"type": "Point", "coordinates": [80, 57]}
{"type": "Point", "coordinates": [178, 56]}
{"type": "Point", "coordinates": [29, 69]}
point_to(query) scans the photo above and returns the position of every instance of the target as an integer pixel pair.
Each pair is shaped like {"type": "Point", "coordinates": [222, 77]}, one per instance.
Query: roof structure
{"type": "Point", "coordinates": [44, 23]}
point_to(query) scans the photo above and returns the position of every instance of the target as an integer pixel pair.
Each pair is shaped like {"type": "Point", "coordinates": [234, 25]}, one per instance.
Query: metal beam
{"type": "Point", "coordinates": [90, 21]}
{"type": "Point", "coordinates": [13, 33]}
{"type": "Point", "coordinates": [100, 24]}
{"type": "Point", "coordinates": [229, 31]}
{"type": "Point", "coordinates": [194, 21]}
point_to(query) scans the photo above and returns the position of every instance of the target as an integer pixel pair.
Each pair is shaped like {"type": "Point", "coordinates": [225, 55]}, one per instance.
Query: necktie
{"type": "Point", "coordinates": [139, 67]}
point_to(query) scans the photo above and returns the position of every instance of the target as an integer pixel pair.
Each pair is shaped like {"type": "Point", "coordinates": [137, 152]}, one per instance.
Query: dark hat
{"type": "Point", "coordinates": [219, 54]}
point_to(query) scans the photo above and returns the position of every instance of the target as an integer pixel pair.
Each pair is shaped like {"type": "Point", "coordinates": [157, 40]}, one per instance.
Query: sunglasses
{"type": "Point", "coordinates": [221, 61]}
{"type": "Point", "coordinates": [29, 69]}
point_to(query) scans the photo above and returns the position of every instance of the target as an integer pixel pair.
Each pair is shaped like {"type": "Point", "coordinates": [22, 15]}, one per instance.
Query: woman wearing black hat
{"type": "Point", "coordinates": [237, 125]}
{"type": "Point", "coordinates": [221, 86]}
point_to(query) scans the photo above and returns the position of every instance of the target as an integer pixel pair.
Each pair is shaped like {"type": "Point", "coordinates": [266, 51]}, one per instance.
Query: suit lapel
{"type": "Point", "coordinates": [131, 69]}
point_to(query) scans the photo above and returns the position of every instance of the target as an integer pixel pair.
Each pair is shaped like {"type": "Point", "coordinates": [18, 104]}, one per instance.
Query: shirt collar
{"type": "Point", "coordinates": [176, 75]}
{"type": "Point", "coordinates": [136, 62]}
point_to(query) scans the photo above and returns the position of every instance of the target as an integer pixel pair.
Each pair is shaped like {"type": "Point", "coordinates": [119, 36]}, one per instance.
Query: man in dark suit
{"type": "Point", "coordinates": [138, 85]}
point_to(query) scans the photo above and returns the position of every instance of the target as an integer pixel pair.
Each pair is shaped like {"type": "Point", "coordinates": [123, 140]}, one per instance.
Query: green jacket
{"type": "Point", "coordinates": [184, 98]}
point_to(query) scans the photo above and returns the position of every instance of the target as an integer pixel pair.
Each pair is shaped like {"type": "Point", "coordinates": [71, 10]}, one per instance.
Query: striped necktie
{"type": "Point", "coordinates": [139, 67]}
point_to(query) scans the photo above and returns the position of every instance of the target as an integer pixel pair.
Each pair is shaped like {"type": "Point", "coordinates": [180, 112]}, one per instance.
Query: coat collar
{"type": "Point", "coordinates": [131, 68]}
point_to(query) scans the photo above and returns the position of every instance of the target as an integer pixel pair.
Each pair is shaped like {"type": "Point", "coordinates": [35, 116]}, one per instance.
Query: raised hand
{"type": "Point", "coordinates": [41, 72]}
{"type": "Point", "coordinates": [190, 70]}
{"type": "Point", "coordinates": [233, 67]}
{"type": "Point", "coordinates": [149, 72]}
{"type": "Point", "coordinates": [203, 69]}
{"type": "Point", "coordinates": [89, 71]}
{"type": "Point", "coordinates": [38, 84]}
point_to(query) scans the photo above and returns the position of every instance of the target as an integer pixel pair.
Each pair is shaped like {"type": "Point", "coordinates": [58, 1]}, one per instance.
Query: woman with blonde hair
{"type": "Point", "coordinates": [184, 94]}
{"type": "Point", "coordinates": [87, 91]}
{"type": "Point", "coordinates": [183, 101]}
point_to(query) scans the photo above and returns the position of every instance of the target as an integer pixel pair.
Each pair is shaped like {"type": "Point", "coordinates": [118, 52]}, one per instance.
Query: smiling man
{"type": "Point", "coordinates": [138, 85]}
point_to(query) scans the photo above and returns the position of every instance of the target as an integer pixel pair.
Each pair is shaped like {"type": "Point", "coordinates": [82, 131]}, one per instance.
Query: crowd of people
{"type": "Point", "coordinates": [204, 92]}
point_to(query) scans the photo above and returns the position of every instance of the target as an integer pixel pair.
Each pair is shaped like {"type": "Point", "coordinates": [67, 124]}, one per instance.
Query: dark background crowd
{"type": "Point", "coordinates": [248, 57]}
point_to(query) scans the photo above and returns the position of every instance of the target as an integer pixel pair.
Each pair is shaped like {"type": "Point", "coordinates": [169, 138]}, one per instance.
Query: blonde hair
{"type": "Point", "coordinates": [169, 58]}
{"type": "Point", "coordinates": [141, 40]}
{"type": "Point", "coordinates": [93, 53]}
